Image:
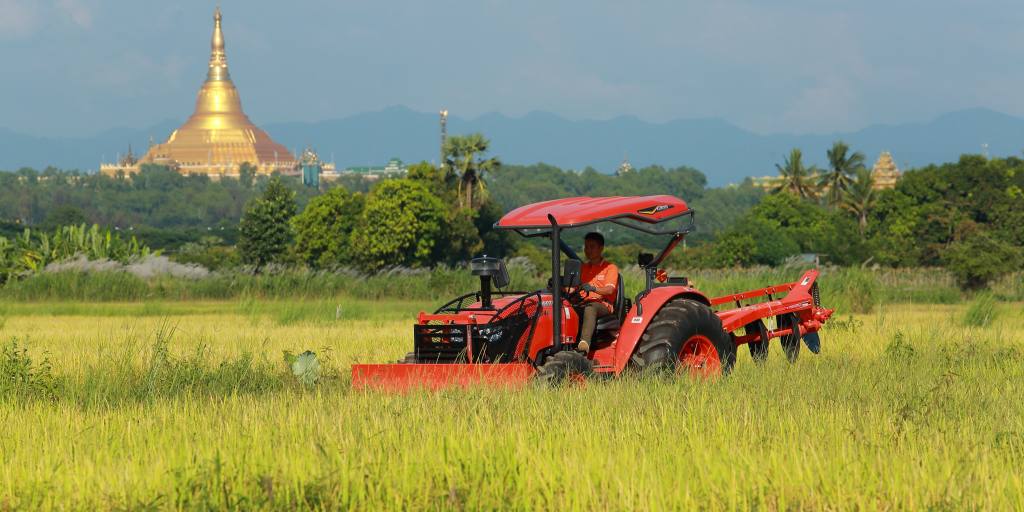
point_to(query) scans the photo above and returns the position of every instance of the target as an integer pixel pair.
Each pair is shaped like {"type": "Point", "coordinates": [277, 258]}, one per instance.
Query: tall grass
{"type": "Point", "coordinates": [982, 311]}
{"type": "Point", "coordinates": [902, 410]}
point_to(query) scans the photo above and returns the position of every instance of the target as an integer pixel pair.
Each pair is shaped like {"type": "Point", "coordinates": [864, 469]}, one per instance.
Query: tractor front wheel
{"type": "Point", "coordinates": [686, 336]}
{"type": "Point", "coordinates": [565, 366]}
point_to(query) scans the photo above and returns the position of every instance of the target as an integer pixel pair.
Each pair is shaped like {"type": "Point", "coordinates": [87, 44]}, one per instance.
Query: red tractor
{"type": "Point", "coordinates": [510, 337]}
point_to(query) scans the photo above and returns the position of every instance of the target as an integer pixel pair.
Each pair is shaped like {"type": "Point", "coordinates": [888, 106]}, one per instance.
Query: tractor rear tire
{"type": "Point", "coordinates": [685, 335]}
{"type": "Point", "coordinates": [759, 348]}
{"type": "Point", "coordinates": [790, 342]}
{"type": "Point", "coordinates": [565, 366]}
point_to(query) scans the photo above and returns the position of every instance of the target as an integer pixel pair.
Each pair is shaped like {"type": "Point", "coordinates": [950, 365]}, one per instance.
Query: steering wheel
{"type": "Point", "coordinates": [576, 296]}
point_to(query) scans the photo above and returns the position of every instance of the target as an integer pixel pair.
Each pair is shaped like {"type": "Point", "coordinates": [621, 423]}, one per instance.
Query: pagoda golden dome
{"type": "Point", "coordinates": [218, 137]}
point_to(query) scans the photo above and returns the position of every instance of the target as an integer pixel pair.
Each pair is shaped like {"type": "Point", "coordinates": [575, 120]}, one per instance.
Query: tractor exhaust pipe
{"type": "Point", "coordinates": [556, 285]}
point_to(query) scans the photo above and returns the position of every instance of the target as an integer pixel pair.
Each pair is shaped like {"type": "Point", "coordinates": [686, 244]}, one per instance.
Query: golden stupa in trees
{"type": "Point", "coordinates": [218, 137]}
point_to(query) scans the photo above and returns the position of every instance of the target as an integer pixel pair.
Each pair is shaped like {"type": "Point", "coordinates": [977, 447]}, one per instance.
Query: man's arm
{"type": "Point", "coordinates": [611, 275]}
{"type": "Point", "coordinates": [611, 278]}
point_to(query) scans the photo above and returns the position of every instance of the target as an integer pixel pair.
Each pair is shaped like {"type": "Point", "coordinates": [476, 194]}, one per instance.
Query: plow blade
{"type": "Point", "coordinates": [401, 377]}
{"type": "Point", "coordinates": [813, 342]}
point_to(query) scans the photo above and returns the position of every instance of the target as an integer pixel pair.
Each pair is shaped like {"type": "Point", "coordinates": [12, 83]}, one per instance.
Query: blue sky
{"type": "Point", "coordinates": [77, 67]}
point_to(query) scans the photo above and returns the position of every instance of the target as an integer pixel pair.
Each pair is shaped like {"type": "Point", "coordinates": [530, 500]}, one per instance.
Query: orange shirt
{"type": "Point", "coordinates": [601, 274]}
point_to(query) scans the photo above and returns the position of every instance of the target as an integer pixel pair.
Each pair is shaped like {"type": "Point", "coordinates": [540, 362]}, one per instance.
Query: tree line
{"type": "Point", "coordinates": [963, 215]}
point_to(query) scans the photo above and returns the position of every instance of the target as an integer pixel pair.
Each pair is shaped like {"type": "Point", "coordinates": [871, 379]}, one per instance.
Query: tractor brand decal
{"type": "Point", "coordinates": [651, 210]}
{"type": "Point", "coordinates": [805, 281]}
{"type": "Point", "coordinates": [568, 312]}
{"type": "Point", "coordinates": [637, 320]}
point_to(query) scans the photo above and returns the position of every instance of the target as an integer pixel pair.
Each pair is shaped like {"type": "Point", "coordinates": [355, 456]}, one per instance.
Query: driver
{"type": "Point", "coordinates": [599, 278]}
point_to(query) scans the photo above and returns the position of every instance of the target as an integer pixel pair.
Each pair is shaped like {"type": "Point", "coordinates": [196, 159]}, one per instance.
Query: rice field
{"type": "Point", "coordinates": [189, 405]}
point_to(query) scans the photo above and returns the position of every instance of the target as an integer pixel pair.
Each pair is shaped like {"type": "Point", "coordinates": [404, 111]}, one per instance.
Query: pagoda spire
{"type": "Point", "coordinates": [218, 58]}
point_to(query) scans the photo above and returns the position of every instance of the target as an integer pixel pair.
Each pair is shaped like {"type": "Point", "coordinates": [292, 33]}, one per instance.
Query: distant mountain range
{"type": "Point", "coordinates": [726, 153]}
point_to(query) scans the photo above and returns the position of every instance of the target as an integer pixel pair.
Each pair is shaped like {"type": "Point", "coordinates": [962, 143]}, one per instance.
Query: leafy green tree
{"type": "Point", "coordinates": [754, 241]}
{"type": "Point", "coordinates": [860, 198]}
{"type": "Point", "coordinates": [65, 215]}
{"type": "Point", "coordinates": [795, 177]}
{"type": "Point", "coordinates": [464, 156]}
{"type": "Point", "coordinates": [465, 227]}
{"type": "Point", "coordinates": [442, 184]}
{"type": "Point", "coordinates": [918, 222]}
{"type": "Point", "coordinates": [496, 242]}
{"type": "Point", "coordinates": [246, 175]}
{"type": "Point", "coordinates": [401, 224]}
{"type": "Point", "coordinates": [842, 168]}
{"type": "Point", "coordinates": [323, 229]}
{"type": "Point", "coordinates": [808, 226]}
{"type": "Point", "coordinates": [980, 258]}
{"type": "Point", "coordinates": [265, 230]}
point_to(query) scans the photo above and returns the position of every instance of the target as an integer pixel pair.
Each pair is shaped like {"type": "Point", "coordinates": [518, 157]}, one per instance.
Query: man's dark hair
{"type": "Point", "coordinates": [595, 236]}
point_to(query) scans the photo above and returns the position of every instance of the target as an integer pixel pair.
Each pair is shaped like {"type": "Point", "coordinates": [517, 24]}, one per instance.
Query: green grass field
{"type": "Point", "coordinates": [189, 405]}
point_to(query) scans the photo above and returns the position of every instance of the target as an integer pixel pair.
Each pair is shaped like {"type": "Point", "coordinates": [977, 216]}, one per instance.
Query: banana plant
{"type": "Point", "coordinates": [30, 252]}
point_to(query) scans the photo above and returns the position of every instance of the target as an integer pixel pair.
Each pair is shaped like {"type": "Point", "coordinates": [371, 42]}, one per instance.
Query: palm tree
{"type": "Point", "coordinates": [841, 169]}
{"type": "Point", "coordinates": [796, 178]}
{"type": "Point", "coordinates": [859, 198]}
{"type": "Point", "coordinates": [463, 156]}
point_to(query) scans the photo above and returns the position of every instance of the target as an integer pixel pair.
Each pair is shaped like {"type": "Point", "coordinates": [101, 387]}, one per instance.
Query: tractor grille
{"type": "Point", "coordinates": [816, 294]}
{"type": "Point", "coordinates": [444, 343]}
{"type": "Point", "coordinates": [511, 329]}
{"type": "Point", "coordinates": [502, 340]}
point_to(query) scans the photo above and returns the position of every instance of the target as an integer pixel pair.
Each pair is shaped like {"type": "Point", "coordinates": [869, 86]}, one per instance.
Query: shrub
{"type": "Point", "coordinates": [21, 378]}
{"type": "Point", "coordinates": [979, 259]}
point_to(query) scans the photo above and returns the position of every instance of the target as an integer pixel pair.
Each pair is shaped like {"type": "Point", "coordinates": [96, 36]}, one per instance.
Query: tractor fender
{"type": "Point", "coordinates": [641, 314]}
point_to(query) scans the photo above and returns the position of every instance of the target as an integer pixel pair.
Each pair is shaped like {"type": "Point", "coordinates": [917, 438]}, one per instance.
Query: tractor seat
{"type": "Point", "coordinates": [614, 321]}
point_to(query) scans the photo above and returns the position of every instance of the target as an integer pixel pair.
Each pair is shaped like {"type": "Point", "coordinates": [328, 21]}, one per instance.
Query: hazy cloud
{"type": "Point", "coordinates": [76, 11]}
{"type": "Point", "coordinates": [17, 18]}
{"type": "Point", "coordinates": [787, 65]}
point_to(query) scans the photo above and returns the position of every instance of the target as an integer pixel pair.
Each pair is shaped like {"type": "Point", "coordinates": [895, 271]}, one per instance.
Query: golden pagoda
{"type": "Point", "coordinates": [218, 137]}
{"type": "Point", "coordinates": [885, 173]}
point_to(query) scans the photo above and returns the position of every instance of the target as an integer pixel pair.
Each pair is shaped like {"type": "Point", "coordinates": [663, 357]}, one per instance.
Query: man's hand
{"type": "Point", "coordinates": [587, 287]}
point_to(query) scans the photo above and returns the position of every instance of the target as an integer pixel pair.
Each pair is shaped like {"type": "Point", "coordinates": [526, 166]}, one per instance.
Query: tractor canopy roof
{"type": "Point", "coordinates": [637, 212]}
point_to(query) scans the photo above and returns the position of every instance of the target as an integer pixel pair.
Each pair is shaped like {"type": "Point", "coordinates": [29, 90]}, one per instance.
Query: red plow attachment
{"type": "Point", "coordinates": [801, 306]}
{"type": "Point", "coordinates": [402, 377]}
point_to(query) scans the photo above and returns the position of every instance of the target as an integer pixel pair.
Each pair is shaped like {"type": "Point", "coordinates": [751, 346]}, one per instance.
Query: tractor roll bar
{"type": "Point", "coordinates": [556, 285]}
{"type": "Point", "coordinates": [652, 267]}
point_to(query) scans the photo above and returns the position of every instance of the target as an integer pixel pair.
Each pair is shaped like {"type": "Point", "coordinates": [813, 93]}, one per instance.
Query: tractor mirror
{"type": "Point", "coordinates": [571, 277]}
{"type": "Point", "coordinates": [644, 259]}
{"type": "Point", "coordinates": [501, 278]}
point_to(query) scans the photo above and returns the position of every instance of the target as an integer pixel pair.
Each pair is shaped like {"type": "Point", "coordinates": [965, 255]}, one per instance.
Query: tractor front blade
{"type": "Point", "coordinates": [402, 376]}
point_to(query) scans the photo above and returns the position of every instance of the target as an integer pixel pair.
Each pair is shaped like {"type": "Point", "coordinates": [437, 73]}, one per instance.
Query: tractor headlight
{"type": "Point", "coordinates": [491, 334]}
